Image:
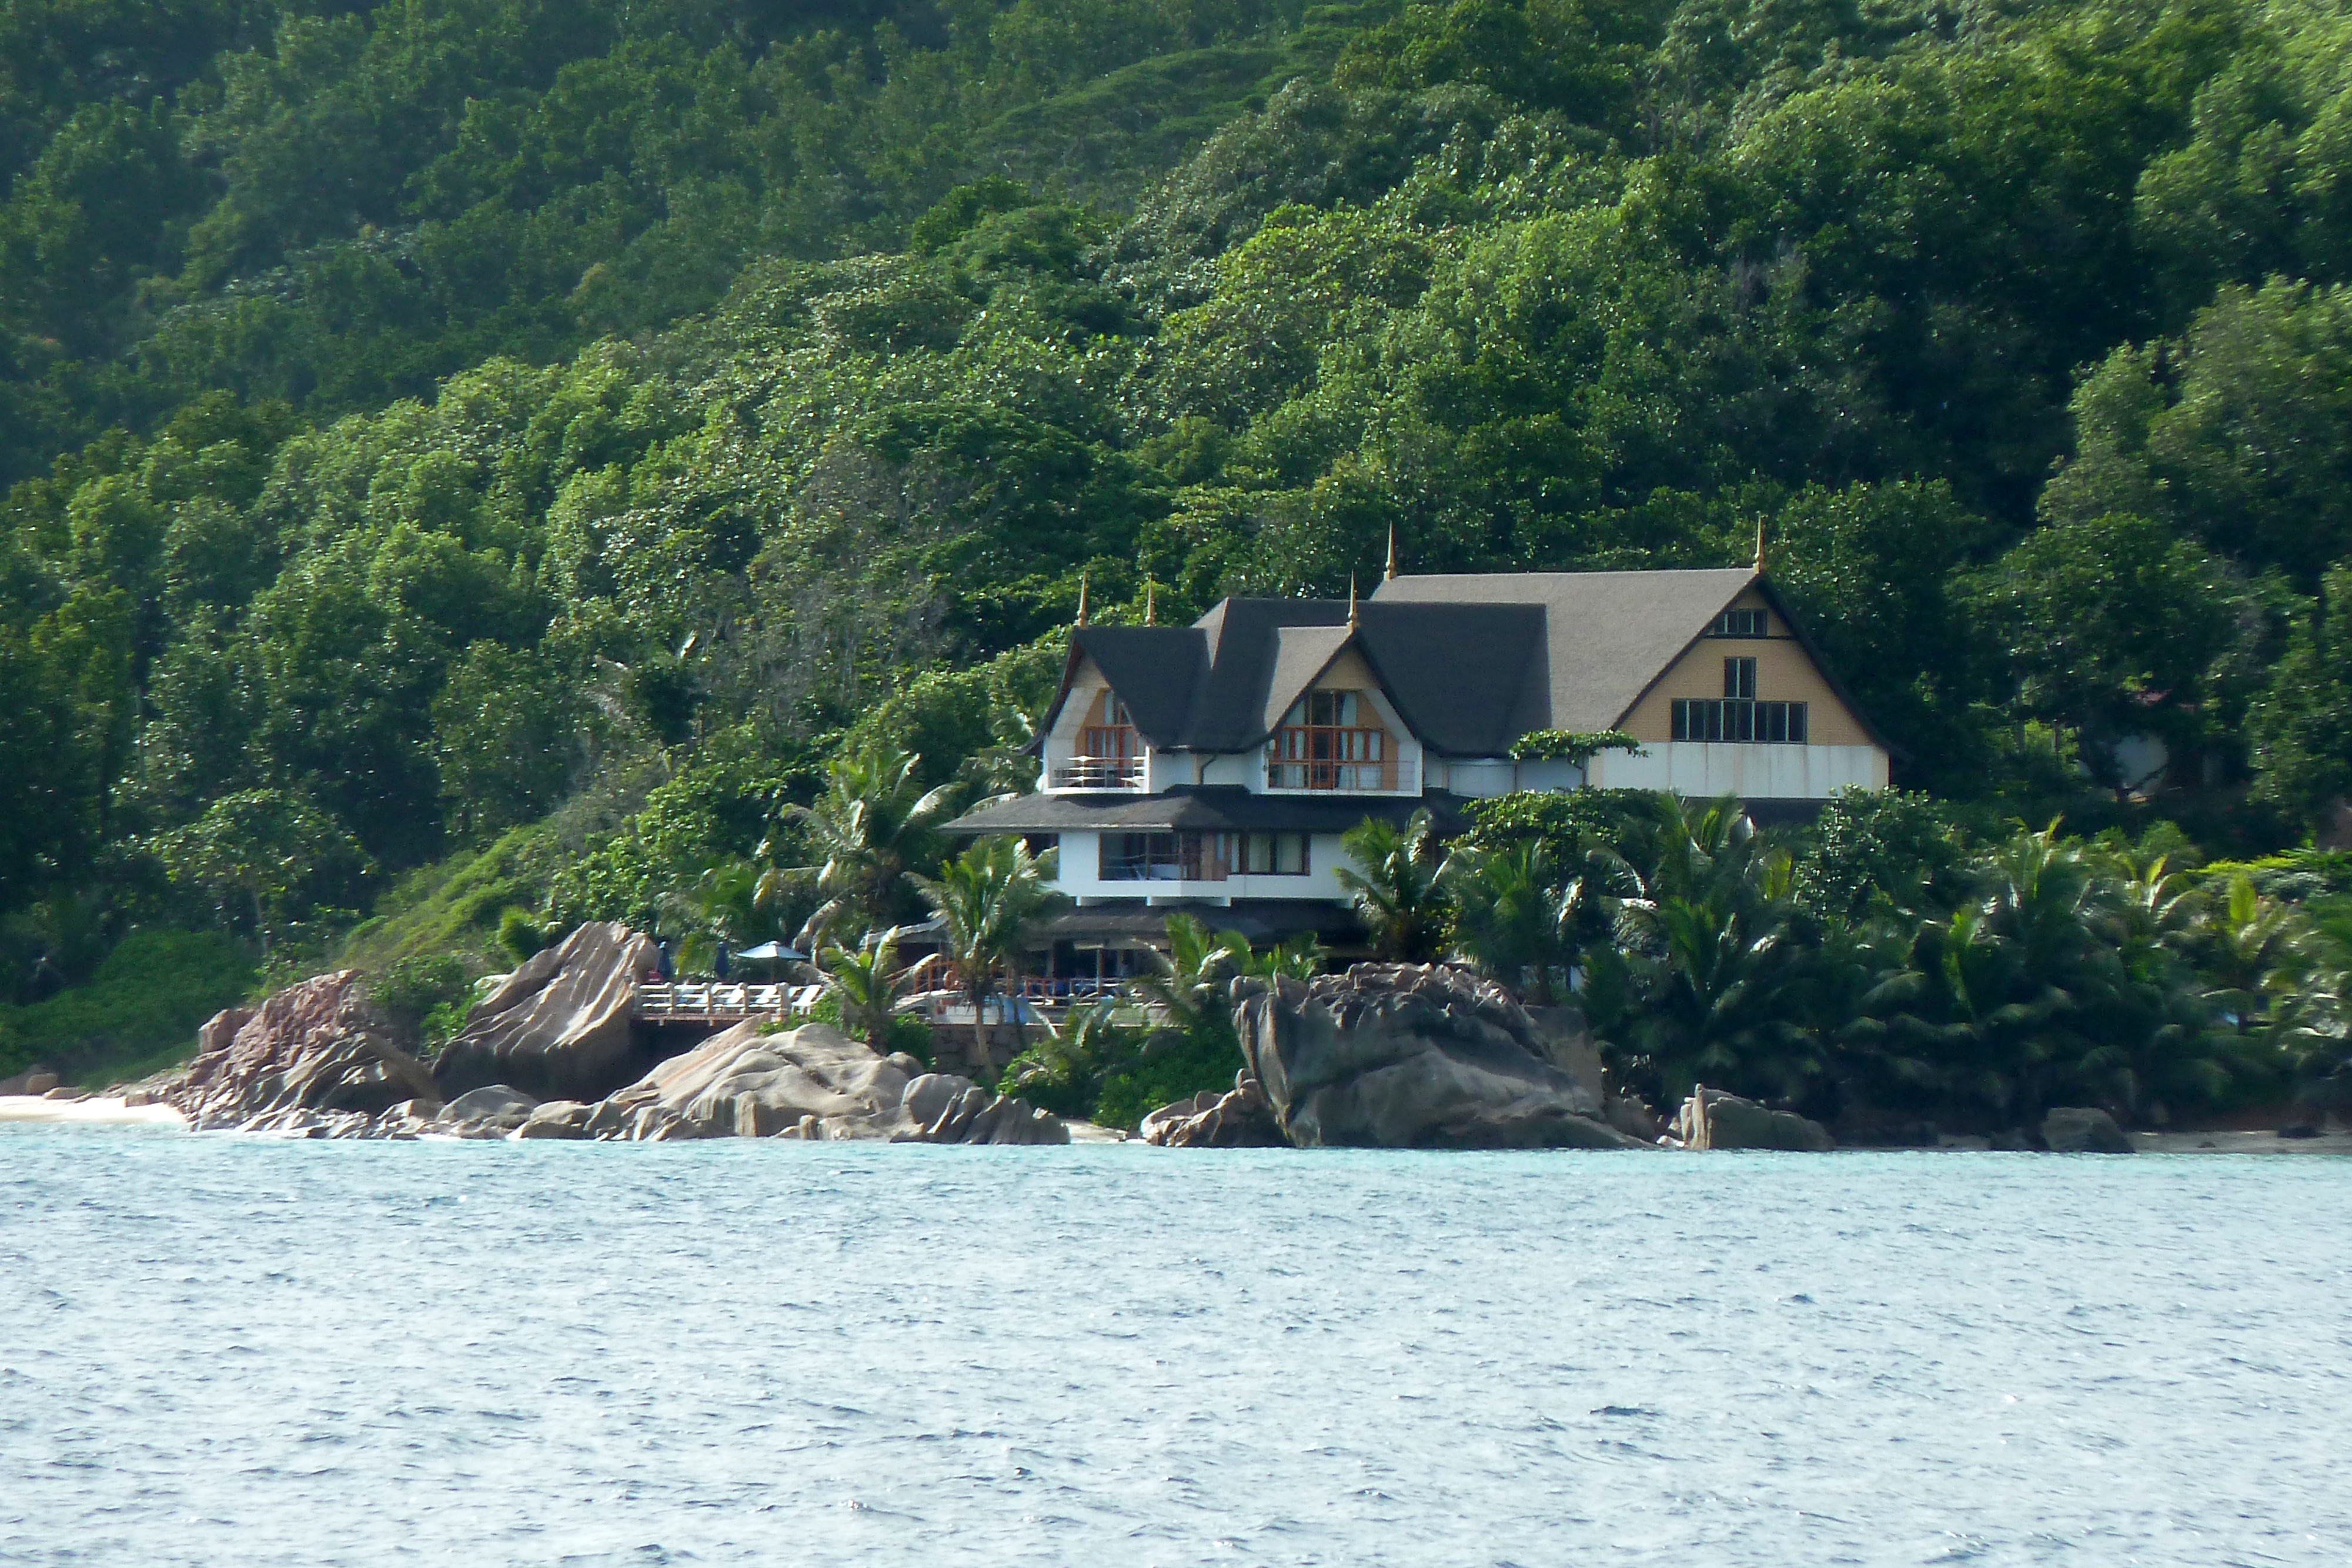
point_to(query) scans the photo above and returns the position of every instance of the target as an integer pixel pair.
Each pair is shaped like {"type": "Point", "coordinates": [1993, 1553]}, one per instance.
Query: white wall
{"type": "Point", "coordinates": [1699, 768]}
{"type": "Point", "coordinates": [1480, 777]}
{"type": "Point", "coordinates": [1081, 865]}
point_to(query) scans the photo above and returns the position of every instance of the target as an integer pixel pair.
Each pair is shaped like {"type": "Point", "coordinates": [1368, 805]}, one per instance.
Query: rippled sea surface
{"type": "Point", "coordinates": [231, 1351]}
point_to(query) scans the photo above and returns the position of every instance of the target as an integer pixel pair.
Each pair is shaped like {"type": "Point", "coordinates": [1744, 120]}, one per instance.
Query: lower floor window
{"type": "Point", "coordinates": [1201, 857]}
{"type": "Point", "coordinates": [1271, 855]}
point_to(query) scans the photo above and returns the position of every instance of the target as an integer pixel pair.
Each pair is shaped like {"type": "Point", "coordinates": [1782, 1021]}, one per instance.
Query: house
{"type": "Point", "coordinates": [1213, 766]}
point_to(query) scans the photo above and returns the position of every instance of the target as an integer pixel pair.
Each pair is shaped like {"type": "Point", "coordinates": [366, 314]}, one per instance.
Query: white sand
{"type": "Point", "coordinates": [95, 1112]}
{"type": "Point", "coordinates": [2334, 1141]}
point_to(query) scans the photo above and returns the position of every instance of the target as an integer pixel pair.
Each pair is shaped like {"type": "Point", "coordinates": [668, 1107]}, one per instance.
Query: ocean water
{"type": "Point", "coordinates": [234, 1351]}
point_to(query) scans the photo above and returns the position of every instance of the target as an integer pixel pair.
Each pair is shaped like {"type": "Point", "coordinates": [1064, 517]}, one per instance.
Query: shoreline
{"type": "Point", "coordinates": [97, 1111]}
{"type": "Point", "coordinates": [102, 1111]}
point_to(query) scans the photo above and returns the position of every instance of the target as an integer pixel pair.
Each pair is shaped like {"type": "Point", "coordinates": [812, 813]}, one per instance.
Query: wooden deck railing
{"type": "Point", "coordinates": [718, 1002]}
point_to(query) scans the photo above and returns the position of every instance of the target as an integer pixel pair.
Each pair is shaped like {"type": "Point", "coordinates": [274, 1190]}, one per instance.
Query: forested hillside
{"type": "Point", "coordinates": [518, 441]}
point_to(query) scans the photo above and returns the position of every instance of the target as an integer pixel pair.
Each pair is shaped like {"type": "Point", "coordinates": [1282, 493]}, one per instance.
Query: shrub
{"type": "Point", "coordinates": [143, 1003]}
{"type": "Point", "coordinates": [521, 934]}
{"type": "Point", "coordinates": [1172, 1067]}
{"type": "Point", "coordinates": [425, 994]}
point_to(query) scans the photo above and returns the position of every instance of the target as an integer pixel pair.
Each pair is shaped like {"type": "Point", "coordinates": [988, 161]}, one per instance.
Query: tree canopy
{"type": "Point", "coordinates": [472, 416]}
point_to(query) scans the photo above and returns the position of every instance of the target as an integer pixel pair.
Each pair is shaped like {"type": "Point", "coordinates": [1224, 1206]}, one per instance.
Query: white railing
{"type": "Point", "coordinates": [1394, 775]}
{"type": "Point", "coordinates": [703, 1003]}
{"type": "Point", "coordinates": [1098, 773]}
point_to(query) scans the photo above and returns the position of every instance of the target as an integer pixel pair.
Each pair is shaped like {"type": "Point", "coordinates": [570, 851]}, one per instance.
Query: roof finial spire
{"type": "Point", "coordinates": [1759, 546]}
{"type": "Point", "coordinates": [1150, 602]}
{"type": "Point", "coordinates": [1082, 599]}
{"type": "Point", "coordinates": [1389, 576]}
{"type": "Point", "coordinates": [1351, 598]}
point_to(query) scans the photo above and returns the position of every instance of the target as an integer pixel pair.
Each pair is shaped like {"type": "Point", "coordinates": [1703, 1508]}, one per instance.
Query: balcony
{"type": "Point", "coordinates": [1097, 773]}
{"type": "Point", "coordinates": [1348, 759]}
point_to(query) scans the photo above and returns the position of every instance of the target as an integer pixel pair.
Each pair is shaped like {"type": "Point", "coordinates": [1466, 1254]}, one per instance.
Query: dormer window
{"type": "Point", "coordinates": [1331, 740]}
{"type": "Point", "coordinates": [1110, 753]}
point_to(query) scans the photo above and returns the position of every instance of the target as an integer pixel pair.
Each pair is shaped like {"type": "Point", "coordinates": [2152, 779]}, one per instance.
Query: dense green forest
{"type": "Point", "coordinates": [484, 456]}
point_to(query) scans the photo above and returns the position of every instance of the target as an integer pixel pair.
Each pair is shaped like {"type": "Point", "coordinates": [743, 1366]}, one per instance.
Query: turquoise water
{"type": "Point", "coordinates": [233, 1351]}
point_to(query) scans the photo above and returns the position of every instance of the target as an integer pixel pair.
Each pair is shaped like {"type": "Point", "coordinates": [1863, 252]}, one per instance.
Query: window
{"type": "Point", "coordinates": [1108, 754]}
{"type": "Point", "coordinates": [1331, 740]}
{"type": "Point", "coordinates": [1326, 709]}
{"type": "Point", "coordinates": [1738, 623]}
{"type": "Point", "coordinates": [1774, 724]}
{"type": "Point", "coordinates": [1161, 857]}
{"type": "Point", "coordinates": [1200, 857]}
{"type": "Point", "coordinates": [1272, 854]}
{"type": "Point", "coordinates": [1739, 680]}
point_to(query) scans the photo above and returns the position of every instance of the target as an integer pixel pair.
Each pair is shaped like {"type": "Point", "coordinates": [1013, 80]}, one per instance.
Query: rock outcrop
{"type": "Point", "coordinates": [1411, 1056]}
{"type": "Point", "coordinates": [1711, 1119]}
{"type": "Point", "coordinates": [1235, 1118]}
{"type": "Point", "coordinates": [2083, 1130]}
{"type": "Point", "coordinates": [558, 1028]}
{"type": "Point", "coordinates": [811, 1083]}
{"type": "Point", "coordinates": [490, 1111]}
{"type": "Point", "coordinates": [315, 1051]}
{"type": "Point", "coordinates": [35, 1080]}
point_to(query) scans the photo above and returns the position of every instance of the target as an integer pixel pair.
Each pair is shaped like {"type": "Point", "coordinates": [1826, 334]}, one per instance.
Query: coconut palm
{"type": "Point", "coordinates": [1063, 1072]}
{"type": "Point", "coordinates": [1395, 885]}
{"type": "Point", "coordinates": [1193, 978]}
{"type": "Point", "coordinates": [872, 824]}
{"type": "Point", "coordinates": [987, 899]}
{"type": "Point", "coordinates": [721, 906]}
{"type": "Point", "coordinates": [1719, 995]}
{"type": "Point", "coordinates": [2252, 950]}
{"type": "Point", "coordinates": [866, 982]}
{"type": "Point", "coordinates": [1513, 915]}
{"type": "Point", "coordinates": [1298, 958]}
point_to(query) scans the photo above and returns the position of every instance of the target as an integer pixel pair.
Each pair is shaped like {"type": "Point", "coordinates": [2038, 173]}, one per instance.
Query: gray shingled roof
{"type": "Point", "coordinates": [1467, 679]}
{"type": "Point", "coordinates": [1471, 662]}
{"type": "Point", "coordinates": [1611, 634]}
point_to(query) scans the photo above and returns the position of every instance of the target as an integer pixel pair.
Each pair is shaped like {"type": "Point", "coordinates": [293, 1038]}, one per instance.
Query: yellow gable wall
{"type": "Point", "coordinates": [1784, 673]}
{"type": "Point", "coordinates": [1350, 672]}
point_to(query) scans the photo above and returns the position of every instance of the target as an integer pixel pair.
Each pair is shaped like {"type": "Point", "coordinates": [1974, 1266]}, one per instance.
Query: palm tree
{"type": "Point", "coordinates": [1298, 958]}
{"type": "Point", "coordinates": [1719, 994]}
{"type": "Point", "coordinates": [866, 982]}
{"type": "Point", "coordinates": [1396, 888]}
{"type": "Point", "coordinates": [1512, 914]}
{"type": "Point", "coordinates": [722, 906]}
{"type": "Point", "coordinates": [2038, 992]}
{"type": "Point", "coordinates": [2252, 949]}
{"type": "Point", "coordinates": [873, 823]}
{"type": "Point", "coordinates": [987, 899]}
{"type": "Point", "coordinates": [1194, 975]}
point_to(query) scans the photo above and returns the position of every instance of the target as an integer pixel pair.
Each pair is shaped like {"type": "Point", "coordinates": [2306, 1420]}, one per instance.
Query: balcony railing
{"type": "Point", "coordinates": [1098, 773]}
{"type": "Point", "coordinates": [689, 1001]}
{"type": "Point", "coordinates": [1336, 756]}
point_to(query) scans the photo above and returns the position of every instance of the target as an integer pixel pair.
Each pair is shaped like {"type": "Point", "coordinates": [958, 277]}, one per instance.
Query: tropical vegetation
{"type": "Point", "coordinates": [473, 465]}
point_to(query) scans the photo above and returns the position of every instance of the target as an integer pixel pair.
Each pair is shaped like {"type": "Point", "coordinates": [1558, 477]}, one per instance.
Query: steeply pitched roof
{"type": "Point", "coordinates": [1472, 662]}
{"type": "Point", "coordinates": [1610, 634]}
{"type": "Point", "coordinates": [1467, 680]}
{"type": "Point", "coordinates": [1154, 670]}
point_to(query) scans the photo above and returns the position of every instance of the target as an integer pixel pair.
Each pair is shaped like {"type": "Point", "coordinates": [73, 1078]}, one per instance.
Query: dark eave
{"type": "Point", "coordinates": [1206, 808]}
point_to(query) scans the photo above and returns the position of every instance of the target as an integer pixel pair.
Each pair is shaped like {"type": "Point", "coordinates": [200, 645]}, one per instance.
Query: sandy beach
{"type": "Point", "coordinates": [102, 1111]}
{"type": "Point", "coordinates": [95, 1111]}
